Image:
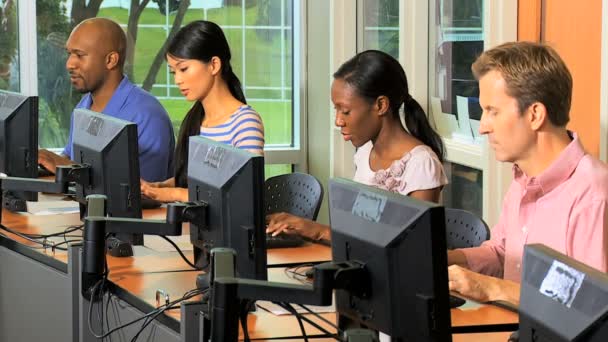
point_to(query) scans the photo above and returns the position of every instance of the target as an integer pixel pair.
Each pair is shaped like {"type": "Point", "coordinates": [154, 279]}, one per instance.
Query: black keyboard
{"type": "Point", "coordinates": [43, 172]}
{"type": "Point", "coordinates": [149, 203]}
{"type": "Point", "coordinates": [284, 241]}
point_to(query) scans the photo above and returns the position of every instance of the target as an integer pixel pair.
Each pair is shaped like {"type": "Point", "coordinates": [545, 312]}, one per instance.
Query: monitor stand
{"type": "Point", "coordinates": [12, 203]}
{"type": "Point", "coordinates": [117, 245]}
{"type": "Point", "coordinates": [118, 248]}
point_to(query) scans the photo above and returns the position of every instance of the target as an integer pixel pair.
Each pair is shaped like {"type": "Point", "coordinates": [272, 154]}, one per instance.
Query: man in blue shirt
{"type": "Point", "coordinates": [96, 55]}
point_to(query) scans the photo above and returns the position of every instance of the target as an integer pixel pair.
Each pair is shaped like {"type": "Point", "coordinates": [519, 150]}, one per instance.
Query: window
{"type": "Point", "coordinates": [9, 46]}
{"type": "Point", "coordinates": [376, 23]}
{"type": "Point", "coordinates": [456, 39]}
{"type": "Point", "coordinates": [261, 37]}
{"type": "Point", "coordinates": [380, 24]}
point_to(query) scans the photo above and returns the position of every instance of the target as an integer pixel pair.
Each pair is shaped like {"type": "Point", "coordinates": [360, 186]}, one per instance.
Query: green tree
{"type": "Point", "coordinates": [162, 6]}
{"type": "Point", "coordinates": [57, 99]}
{"type": "Point", "coordinates": [52, 17]}
{"type": "Point", "coordinates": [8, 40]}
{"type": "Point", "coordinates": [84, 9]}
{"type": "Point", "coordinates": [135, 11]}
{"type": "Point", "coordinates": [160, 55]}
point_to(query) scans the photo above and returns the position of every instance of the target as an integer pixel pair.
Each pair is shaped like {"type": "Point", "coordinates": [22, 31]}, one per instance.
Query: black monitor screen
{"type": "Point", "coordinates": [401, 242]}
{"type": "Point", "coordinates": [231, 182]}
{"type": "Point", "coordinates": [19, 138]}
{"type": "Point", "coordinates": [561, 299]}
{"type": "Point", "coordinates": [109, 146]}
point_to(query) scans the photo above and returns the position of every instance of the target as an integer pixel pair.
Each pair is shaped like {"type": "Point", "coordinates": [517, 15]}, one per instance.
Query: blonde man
{"type": "Point", "coordinates": [559, 192]}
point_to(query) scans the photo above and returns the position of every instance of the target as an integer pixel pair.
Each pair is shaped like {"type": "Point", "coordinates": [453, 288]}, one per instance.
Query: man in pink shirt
{"type": "Point", "coordinates": [559, 194]}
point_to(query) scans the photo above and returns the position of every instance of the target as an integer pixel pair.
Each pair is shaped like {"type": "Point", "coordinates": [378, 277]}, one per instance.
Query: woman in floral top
{"type": "Point", "coordinates": [369, 92]}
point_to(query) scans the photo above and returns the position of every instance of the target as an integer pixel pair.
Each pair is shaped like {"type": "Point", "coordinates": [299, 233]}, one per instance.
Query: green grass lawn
{"type": "Point", "coordinates": [263, 59]}
{"type": "Point", "coordinates": [262, 47]}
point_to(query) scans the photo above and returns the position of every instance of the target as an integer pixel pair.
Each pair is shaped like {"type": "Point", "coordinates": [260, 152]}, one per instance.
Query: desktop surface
{"type": "Point", "coordinates": [139, 277]}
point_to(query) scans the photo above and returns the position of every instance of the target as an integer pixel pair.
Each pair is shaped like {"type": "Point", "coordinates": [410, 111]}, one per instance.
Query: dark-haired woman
{"type": "Point", "coordinates": [199, 58]}
{"type": "Point", "coordinates": [369, 92]}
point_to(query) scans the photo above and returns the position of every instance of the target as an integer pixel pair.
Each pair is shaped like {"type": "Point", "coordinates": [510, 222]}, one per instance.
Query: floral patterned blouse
{"type": "Point", "coordinates": [418, 169]}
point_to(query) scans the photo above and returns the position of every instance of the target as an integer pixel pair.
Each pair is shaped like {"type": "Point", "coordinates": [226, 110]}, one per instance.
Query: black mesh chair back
{"type": "Point", "coordinates": [464, 229]}
{"type": "Point", "coordinates": [295, 193]}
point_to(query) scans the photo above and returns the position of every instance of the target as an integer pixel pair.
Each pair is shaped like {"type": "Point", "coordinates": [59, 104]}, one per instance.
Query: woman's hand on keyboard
{"type": "Point", "coordinates": [290, 224]}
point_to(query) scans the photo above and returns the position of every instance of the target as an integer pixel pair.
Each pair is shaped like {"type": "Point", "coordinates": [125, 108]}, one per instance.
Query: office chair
{"type": "Point", "coordinates": [295, 193]}
{"type": "Point", "coordinates": [464, 229]}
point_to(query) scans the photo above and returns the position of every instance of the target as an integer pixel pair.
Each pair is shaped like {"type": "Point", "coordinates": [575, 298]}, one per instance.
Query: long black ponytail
{"type": "Point", "coordinates": [200, 40]}
{"type": "Point", "coordinates": [374, 73]}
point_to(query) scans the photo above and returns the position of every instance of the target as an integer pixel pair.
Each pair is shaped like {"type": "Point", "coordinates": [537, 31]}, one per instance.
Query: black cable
{"type": "Point", "coordinates": [314, 324]}
{"type": "Point", "coordinates": [104, 335]}
{"type": "Point", "coordinates": [294, 273]}
{"type": "Point", "coordinates": [90, 314]}
{"type": "Point", "coordinates": [293, 311]}
{"type": "Point", "coordinates": [181, 253]}
{"type": "Point", "coordinates": [44, 243]}
{"type": "Point", "coordinates": [69, 229]}
{"type": "Point", "coordinates": [65, 242]}
{"type": "Point", "coordinates": [155, 313]}
{"type": "Point", "coordinates": [101, 283]}
{"type": "Point", "coordinates": [149, 320]}
{"type": "Point", "coordinates": [100, 306]}
{"type": "Point", "coordinates": [321, 318]}
{"type": "Point", "coordinates": [107, 310]}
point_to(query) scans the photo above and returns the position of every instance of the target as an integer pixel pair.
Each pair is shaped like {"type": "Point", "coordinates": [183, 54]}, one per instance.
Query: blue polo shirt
{"type": "Point", "coordinates": [154, 128]}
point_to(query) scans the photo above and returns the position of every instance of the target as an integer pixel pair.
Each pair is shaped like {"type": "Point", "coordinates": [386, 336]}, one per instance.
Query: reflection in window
{"type": "Point", "coordinates": [380, 26]}
{"type": "Point", "coordinates": [9, 46]}
{"type": "Point", "coordinates": [464, 188]}
{"type": "Point", "coordinates": [260, 34]}
{"type": "Point", "coordinates": [456, 41]}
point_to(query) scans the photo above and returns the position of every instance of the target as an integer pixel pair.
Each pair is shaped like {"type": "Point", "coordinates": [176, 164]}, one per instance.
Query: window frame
{"type": "Point", "coordinates": [274, 154]}
{"type": "Point", "coordinates": [500, 20]}
{"type": "Point", "coordinates": [28, 63]}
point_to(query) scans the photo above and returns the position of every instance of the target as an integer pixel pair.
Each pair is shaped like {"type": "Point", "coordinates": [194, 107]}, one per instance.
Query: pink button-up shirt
{"type": "Point", "coordinates": [565, 208]}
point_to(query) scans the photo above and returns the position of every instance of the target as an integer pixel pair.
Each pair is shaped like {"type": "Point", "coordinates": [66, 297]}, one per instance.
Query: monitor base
{"type": "Point", "coordinates": [118, 248]}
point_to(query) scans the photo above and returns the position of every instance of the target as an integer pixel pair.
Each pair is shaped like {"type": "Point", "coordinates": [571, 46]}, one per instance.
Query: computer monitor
{"type": "Point", "coordinates": [231, 182]}
{"type": "Point", "coordinates": [561, 299]}
{"type": "Point", "coordinates": [402, 243]}
{"type": "Point", "coordinates": [19, 138]}
{"type": "Point", "coordinates": [109, 146]}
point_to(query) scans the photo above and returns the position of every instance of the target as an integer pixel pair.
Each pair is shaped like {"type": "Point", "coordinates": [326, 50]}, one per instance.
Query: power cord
{"type": "Point", "coordinates": [181, 253]}
{"type": "Point", "coordinates": [45, 244]}
{"type": "Point", "coordinates": [68, 230]}
{"type": "Point", "coordinates": [150, 317]}
{"type": "Point", "coordinates": [295, 273]}
{"type": "Point", "coordinates": [340, 332]}
{"type": "Point", "coordinates": [293, 311]}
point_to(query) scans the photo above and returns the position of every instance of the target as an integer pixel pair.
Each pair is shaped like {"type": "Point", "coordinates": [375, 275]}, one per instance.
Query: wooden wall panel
{"type": "Point", "coordinates": [574, 29]}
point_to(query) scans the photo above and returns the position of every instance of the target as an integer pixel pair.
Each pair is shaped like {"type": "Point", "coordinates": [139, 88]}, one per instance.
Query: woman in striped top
{"type": "Point", "coordinates": [199, 57]}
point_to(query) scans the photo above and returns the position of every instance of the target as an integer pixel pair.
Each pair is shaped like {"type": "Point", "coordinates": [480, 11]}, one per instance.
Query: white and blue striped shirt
{"type": "Point", "coordinates": [243, 130]}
